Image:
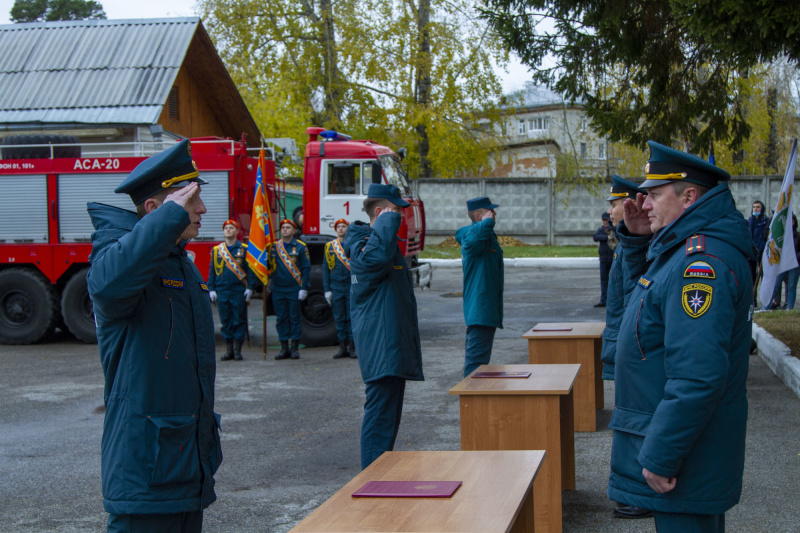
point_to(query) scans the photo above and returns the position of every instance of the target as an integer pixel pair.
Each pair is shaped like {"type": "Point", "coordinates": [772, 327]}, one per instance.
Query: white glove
{"type": "Point", "coordinates": [302, 295]}
{"type": "Point", "coordinates": [247, 294]}
{"type": "Point", "coordinates": [329, 297]}
{"type": "Point", "coordinates": [213, 296]}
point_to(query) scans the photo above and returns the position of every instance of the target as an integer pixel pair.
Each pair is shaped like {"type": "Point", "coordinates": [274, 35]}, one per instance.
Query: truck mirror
{"type": "Point", "coordinates": [377, 177]}
{"type": "Point", "coordinates": [401, 153]}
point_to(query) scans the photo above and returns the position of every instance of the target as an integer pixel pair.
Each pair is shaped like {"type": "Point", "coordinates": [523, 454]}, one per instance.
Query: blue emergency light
{"type": "Point", "coordinates": [332, 135]}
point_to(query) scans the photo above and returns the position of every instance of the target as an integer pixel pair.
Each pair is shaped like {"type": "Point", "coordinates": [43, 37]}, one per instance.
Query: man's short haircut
{"type": "Point", "coordinates": [472, 215]}
{"type": "Point", "coordinates": [370, 204]}
{"type": "Point", "coordinates": [679, 186]}
{"type": "Point", "coordinates": [761, 204]}
{"type": "Point", "coordinates": [160, 195]}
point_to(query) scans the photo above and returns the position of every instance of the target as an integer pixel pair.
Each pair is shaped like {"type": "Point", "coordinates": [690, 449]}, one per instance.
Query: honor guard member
{"type": "Point", "coordinates": [482, 263]}
{"type": "Point", "coordinates": [682, 356]}
{"type": "Point", "coordinates": [384, 316]}
{"type": "Point", "coordinates": [229, 282]}
{"type": "Point", "coordinates": [155, 333]}
{"type": "Point", "coordinates": [618, 292]}
{"type": "Point", "coordinates": [336, 283]}
{"type": "Point", "coordinates": [290, 278]}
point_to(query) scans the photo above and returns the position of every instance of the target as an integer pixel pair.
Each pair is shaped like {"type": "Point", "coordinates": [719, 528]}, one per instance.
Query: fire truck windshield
{"type": "Point", "coordinates": [395, 174]}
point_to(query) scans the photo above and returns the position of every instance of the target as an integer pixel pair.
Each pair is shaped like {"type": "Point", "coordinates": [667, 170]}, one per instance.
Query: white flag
{"type": "Point", "coordinates": [779, 254]}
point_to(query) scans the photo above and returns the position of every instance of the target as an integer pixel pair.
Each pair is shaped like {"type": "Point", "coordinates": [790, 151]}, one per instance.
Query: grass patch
{"type": "Point", "coordinates": [784, 326]}
{"type": "Point", "coordinates": [513, 252]}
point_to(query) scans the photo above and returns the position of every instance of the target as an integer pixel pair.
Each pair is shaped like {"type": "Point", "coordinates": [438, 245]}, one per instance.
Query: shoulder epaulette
{"type": "Point", "coordinates": [300, 242]}
{"type": "Point", "coordinates": [695, 244]}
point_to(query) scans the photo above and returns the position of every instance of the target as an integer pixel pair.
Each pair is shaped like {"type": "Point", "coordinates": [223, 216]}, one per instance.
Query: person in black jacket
{"type": "Point", "coordinates": [606, 257]}
{"type": "Point", "coordinates": [758, 224]}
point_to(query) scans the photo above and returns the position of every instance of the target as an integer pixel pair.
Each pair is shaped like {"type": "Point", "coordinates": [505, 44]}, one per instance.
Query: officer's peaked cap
{"type": "Point", "coordinates": [171, 168]}
{"type": "Point", "coordinates": [667, 165]}
{"type": "Point", "coordinates": [482, 202]}
{"type": "Point", "coordinates": [622, 188]}
{"type": "Point", "coordinates": [390, 192]}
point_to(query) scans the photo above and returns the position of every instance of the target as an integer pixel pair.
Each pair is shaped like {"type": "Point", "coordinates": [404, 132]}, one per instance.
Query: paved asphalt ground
{"type": "Point", "coordinates": [291, 428]}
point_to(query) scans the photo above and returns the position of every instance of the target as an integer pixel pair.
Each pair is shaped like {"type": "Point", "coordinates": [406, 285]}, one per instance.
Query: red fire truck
{"type": "Point", "coordinates": [45, 230]}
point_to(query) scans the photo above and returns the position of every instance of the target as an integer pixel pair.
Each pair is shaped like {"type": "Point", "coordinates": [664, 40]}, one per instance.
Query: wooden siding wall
{"type": "Point", "coordinates": [195, 115]}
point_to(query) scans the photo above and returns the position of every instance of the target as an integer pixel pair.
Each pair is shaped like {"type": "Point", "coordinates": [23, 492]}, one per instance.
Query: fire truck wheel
{"type": "Point", "coordinates": [10, 151]}
{"type": "Point", "coordinates": [28, 307]}
{"type": "Point", "coordinates": [77, 310]}
{"type": "Point", "coordinates": [319, 328]}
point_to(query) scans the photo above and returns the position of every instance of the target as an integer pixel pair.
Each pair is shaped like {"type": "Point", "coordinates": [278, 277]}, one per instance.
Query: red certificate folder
{"type": "Point", "coordinates": [501, 375]}
{"type": "Point", "coordinates": [407, 489]}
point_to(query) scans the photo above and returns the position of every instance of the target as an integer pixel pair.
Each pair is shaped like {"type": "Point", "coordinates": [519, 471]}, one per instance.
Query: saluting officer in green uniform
{"type": "Point", "coordinates": [155, 332]}
{"type": "Point", "coordinates": [482, 263]}
{"type": "Point", "coordinates": [682, 356]}
{"type": "Point", "coordinates": [618, 293]}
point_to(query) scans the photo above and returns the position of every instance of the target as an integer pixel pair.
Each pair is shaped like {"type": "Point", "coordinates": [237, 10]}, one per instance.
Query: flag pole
{"type": "Point", "coordinates": [264, 290]}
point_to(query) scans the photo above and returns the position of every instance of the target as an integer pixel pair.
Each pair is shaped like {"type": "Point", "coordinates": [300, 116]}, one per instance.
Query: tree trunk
{"type": "Point", "coordinates": [772, 141]}
{"type": "Point", "coordinates": [423, 87]}
{"type": "Point", "coordinates": [331, 83]}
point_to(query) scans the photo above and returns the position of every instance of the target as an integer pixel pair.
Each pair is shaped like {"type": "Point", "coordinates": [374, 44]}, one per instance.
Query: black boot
{"type": "Point", "coordinates": [352, 349]}
{"type": "Point", "coordinates": [342, 353]}
{"type": "Point", "coordinates": [229, 354]}
{"type": "Point", "coordinates": [631, 512]}
{"type": "Point", "coordinates": [237, 349]}
{"type": "Point", "coordinates": [295, 352]}
{"type": "Point", "coordinates": [284, 353]}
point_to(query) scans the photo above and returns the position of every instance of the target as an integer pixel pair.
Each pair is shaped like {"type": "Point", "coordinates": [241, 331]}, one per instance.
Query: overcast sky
{"type": "Point", "coordinates": [131, 9]}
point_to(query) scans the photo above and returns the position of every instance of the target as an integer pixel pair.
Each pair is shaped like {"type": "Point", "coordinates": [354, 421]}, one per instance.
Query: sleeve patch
{"type": "Point", "coordinates": [644, 282]}
{"type": "Point", "coordinates": [699, 269]}
{"type": "Point", "coordinates": [696, 298]}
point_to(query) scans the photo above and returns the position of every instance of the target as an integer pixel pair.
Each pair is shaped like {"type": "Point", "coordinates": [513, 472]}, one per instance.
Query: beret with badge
{"type": "Point", "coordinates": [666, 165]}
{"type": "Point", "coordinates": [172, 168]}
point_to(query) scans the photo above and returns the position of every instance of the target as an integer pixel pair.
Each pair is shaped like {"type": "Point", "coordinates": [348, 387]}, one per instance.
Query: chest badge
{"type": "Point", "coordinates": [172, 283]}
{"type": "Point", "coordinates": [699, 269]}
{"type": "Point", "coordinates": [696, 298]}
{"type": "Point", "coordinates": [644, 282]}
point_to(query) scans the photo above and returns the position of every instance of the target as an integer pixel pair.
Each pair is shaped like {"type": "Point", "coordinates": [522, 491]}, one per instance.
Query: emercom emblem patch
{"type": "Point", "coordinates": [696, 298]}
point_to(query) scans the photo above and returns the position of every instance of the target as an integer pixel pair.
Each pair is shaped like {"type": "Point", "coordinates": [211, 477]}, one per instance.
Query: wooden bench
{"type": "Point", "coordinates": [533, 413]}
{"type": "Point", "coordinates": [495, 495]}
{"type": "Point", "coordinates": [573, 342]}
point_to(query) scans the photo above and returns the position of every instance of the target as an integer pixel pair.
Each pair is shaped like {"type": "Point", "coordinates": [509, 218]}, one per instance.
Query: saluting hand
{"type": "Point", "coordinates": [184, 195]}
{"type": "Point", "coordinates": [489, 214]}
{"type": "Point", "coordinates": [636, 219]}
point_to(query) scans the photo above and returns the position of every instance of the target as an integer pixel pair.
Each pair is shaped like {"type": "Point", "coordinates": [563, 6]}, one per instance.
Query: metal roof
{"type": "Point", "coordinates": [90, 71]}
{"type": "Point", "coordinates": [533, 95]}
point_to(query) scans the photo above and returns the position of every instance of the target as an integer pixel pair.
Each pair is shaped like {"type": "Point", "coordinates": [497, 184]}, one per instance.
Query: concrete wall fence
{"type": "Point", "coordinates": [533, 212]}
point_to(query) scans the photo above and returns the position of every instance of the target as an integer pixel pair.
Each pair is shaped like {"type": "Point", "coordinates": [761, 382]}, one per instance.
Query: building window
{"type": "Point", "coordinates": [522, 127]}
{"type": "Point", "coordinates": [584, 150]}
{"type": "Point", "coordinates": [172, 102]}
{"type": "Point", "coordinates": [539, 124]}
{"type": "Point", "coordinates": [583, 123]}
{"type": "Point", "coordinates": [601, 151]}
